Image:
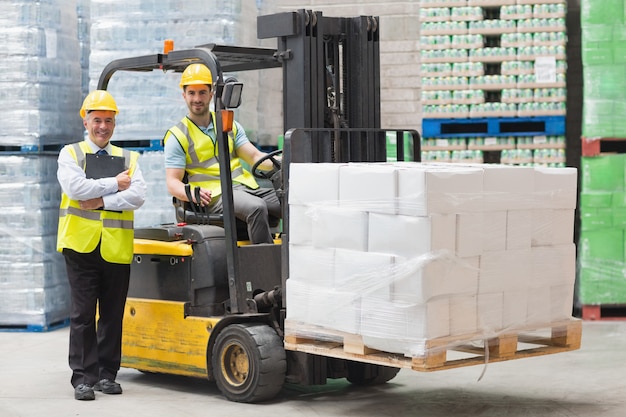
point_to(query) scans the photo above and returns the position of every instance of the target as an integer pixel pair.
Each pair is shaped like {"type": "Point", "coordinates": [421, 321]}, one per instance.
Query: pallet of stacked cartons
{"type": "Point", "coordinates": [407, 264]}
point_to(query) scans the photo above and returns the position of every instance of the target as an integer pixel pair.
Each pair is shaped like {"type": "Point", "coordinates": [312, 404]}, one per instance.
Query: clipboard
{"type": "Point", "coordinates": [103, 166]}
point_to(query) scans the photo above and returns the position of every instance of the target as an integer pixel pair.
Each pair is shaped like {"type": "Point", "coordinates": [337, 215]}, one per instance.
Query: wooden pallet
{"type": "Point", "coordinates": [594, 146]}
{"type": "Point", "coordinates": [441, 353]}
{"type": "Point", "coordinates": [604, 312]}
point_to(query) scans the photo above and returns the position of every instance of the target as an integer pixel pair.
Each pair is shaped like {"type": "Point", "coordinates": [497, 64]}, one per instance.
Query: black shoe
{"type": "Point", "coordinates": [108, 387]}
{"type": "Point", "coordinates": [84, 392]}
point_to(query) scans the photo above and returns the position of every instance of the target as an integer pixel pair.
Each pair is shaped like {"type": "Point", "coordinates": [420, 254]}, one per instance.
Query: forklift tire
{"type": "Point", "coordinates": [368, 374]}
{"type": "Point", "coordinates": [249, 362]}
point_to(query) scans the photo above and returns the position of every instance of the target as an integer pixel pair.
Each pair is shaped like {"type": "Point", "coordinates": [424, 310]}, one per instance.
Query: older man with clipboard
{"type": "Point", "coordinates": [102, 186]}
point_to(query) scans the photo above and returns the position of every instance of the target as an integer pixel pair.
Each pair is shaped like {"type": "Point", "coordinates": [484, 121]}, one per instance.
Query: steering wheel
{"type": "Point", "coordinates": [268, 175]}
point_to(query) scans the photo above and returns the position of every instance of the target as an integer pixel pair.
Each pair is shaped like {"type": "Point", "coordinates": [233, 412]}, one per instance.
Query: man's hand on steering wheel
{"type": "Point", "coordinates": [267, 175]}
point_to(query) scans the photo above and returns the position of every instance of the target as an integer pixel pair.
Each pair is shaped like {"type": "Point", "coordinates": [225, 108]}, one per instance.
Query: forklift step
{"type": "Point", "coordinates": [440, 353]}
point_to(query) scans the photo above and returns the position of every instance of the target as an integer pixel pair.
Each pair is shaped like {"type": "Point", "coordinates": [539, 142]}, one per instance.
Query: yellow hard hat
{"type": "Point", "coordinates": [196, 74]}
{"type": "Point", "coordinates": [98, 100]}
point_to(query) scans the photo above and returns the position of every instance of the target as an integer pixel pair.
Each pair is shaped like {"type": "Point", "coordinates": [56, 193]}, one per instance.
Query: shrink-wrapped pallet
{"type": "Point", "coordinates": [411, 253]}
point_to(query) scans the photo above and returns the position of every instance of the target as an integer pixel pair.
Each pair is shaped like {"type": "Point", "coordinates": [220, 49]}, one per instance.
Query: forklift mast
{"type": "Point", "coordinates": [331, 68]}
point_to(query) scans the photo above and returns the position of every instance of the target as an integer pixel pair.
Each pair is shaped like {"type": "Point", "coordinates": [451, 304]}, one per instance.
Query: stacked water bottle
{"type": "Point", "coordinates": [34, 293]}
{"type": "Point", "coordinates": [40, 67]}
{"type": "Point", "coordinates": [150, 103]}
{"type": "Point", "coordinates": [514, 150]}
{"type": "Point", "coordinates": [83, 11]}
{"type": "Point", "coordinates": [507, 38]}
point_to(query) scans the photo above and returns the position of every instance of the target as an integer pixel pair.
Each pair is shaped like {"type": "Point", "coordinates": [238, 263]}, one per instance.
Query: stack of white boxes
{"type": "Point", "coordinates": [401, 253]}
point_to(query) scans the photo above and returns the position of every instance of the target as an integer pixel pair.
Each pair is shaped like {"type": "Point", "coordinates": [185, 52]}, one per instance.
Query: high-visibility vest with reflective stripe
{"type": "Point", "coordinates": [82, 230]}
{"type": "Point", "coordinates": [202, 163]}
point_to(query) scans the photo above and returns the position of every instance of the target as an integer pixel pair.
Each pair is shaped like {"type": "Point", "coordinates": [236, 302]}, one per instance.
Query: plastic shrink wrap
{"type": "Point", "coordinates": [404, 254]}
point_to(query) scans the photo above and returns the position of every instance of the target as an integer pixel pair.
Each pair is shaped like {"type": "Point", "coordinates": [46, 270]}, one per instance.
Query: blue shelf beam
{"type": "Point", "coordinates": [494, 126]}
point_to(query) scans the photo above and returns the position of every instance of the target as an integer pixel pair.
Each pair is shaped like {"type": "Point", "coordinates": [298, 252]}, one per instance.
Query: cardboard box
{"type": "Point", "coordinates": [321, 306]}
{"type": "Point", "coordinates": [552, 227]}
{"type": "Point", "coordinates": [490, 311]}
{"type": "Point", "coordinates": [539, 306]}
{"type": "Point", "coordinates": [301, 224]}
{"type": "Point", "coordinates": [335, 227]}
{"type": "Point", "coordinates": [555, 188]}
{"type": "Point", "coordinates": [463, 315]}
{"type": "Point", "coordinates": [368, 187]}
{"type": "Point", "coordinates": [469, 234]}
{"type": "Point", "coordinates": [507, 187]}
{"type": "Point", "coordinates": [514, 308]}
{"type": "Point", "coordinates": [428, 189]}
{"type": "Point", "coordinates": [313, 183]}
{"type": "Point", "coordinates": [410, 237]}
{"type": "Point", "coordinates": [312, 265]}
{"type": "Point", "coordinates": [420, 280]}
{"type": "Point", "coordinates": [518, 229]}
{"type": "Point", "coordinates": [504, 271]}
{"type": "Point", "coordinates": [364, 273]}
{"type": "Point", "coordinates": [403, 327]}
{"type": "Point", "coordinates": [553, 266]}
{"type": "Point", "coordinates": [561, 302]}
{"type": "Point", "coordinates": [494, 231]}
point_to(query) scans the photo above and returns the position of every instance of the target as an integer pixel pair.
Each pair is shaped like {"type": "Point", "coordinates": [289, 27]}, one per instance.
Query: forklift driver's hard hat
{"type": "Point", "coordinates": [98, 100]}
{"type": "Point", "coordinates": [196, 74]}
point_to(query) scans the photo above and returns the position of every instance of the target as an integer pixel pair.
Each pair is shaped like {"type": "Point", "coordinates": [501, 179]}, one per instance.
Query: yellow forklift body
{"type": "Point", "coordinates": [156, 247]}
{"type": "Point", "coordinates": [157, 337]}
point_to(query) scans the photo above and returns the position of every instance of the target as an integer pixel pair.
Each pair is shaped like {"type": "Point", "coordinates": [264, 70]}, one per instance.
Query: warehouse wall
{"type": "Point", "coordinates": [399, 47]}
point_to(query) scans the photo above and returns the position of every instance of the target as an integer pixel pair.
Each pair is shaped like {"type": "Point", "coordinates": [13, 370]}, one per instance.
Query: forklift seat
{"type": "Point", "coordinates": [185, 213]}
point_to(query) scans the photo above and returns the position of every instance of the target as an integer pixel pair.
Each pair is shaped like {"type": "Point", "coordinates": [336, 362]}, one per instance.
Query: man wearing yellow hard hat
{"type": "Point", "coordinates": [191, 150]}
{"type": "Point", "coordinates": [95, 236]}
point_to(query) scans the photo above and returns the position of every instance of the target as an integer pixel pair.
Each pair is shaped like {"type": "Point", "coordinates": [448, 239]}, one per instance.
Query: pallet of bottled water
{"type": "Point", "coordinates": [41, 73]}
{"type": "Point", "coordinates": [34, 292]}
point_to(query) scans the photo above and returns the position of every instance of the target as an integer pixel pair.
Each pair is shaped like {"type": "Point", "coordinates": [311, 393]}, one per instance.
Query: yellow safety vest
{"type": "Point", "coordinates": [202, 164]}
{"type": "Point", "coordinates": [82, 230]}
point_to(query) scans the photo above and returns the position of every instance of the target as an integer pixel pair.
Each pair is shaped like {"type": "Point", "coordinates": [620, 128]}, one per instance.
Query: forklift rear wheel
{"type": "Point", "coordinates": [249, 362]}
{"type": "Point", "coordinates": [367, 374]}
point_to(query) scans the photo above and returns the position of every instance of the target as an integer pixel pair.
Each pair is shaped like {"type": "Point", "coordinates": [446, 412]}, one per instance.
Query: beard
{"type": "Point", "coordinates": [199, 110]}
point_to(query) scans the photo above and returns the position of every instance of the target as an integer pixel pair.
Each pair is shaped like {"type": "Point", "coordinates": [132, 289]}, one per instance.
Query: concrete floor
{"type": "Point", "coordinates": [587, 382]}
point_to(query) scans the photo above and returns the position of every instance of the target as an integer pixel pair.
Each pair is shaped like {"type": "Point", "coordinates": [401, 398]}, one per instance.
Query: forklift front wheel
{"type": "Point", "coordinates": [249, 362]}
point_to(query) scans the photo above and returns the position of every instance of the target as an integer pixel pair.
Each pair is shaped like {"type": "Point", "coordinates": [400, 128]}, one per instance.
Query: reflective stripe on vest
{"type": "Point", "coordinates": [95, 215]}
{"type": "Point", "coordinates": [205, 173]}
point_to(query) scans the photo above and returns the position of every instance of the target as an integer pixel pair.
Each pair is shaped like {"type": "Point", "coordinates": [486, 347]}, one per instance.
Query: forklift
{"type": "Point", "coordinates": [202, 301]}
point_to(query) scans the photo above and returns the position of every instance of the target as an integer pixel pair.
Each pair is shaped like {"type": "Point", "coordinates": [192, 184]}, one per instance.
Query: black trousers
{"type": "Point", "coordinates": [95, 351]}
